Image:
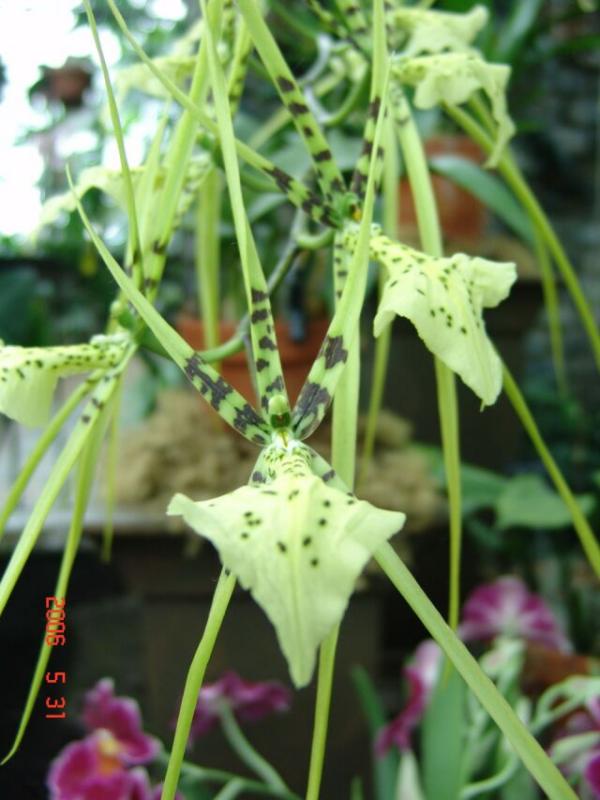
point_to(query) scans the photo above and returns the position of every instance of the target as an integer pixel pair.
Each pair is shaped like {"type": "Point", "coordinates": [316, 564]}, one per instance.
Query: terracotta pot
{"type": "Point", "coordinates": [296, 357]}
{"type": "Point", "coordinates": [462, 216]}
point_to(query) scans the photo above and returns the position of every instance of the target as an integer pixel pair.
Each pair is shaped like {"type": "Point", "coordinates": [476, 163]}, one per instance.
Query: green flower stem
{"type": "Point", "coordinates": [586, 535]}
{"type": "Point", "coordinates": [494, 782]}
{"type": "Point", "coordinates": [242, 747]}
{"type": "Point", "coordinates": [322, 705]}
{"type": "Point", "coordinates": [208, 245]}
{"type": "Point", "coordinates": [431, 239]}
{"type": "Point", "coordinates": [136, 248]}
{"type": "Point", "coordinates": [552, 308]}
{"type": "Point", "coordinates": [195, 676]}
{"type": "Point", "coordinates": [50, 433]}
{"type": "Point", "coordinates": [528, 749]}
{"type": "Point", "coordinates": [112, 455]}
{"type": "Point", "coordinates": [192, 772]}
{"type": "Point", "coordinates": [231, 790]}
{"type": "Point", "coordinates": [514, 178]}
{"type": "Point", "coordinates": [391, 211]}
{"type": "Point", "coordinates": [87, 464]}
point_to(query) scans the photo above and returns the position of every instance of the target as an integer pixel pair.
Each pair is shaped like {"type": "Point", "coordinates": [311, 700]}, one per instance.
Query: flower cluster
{"type": "Point", "coordinates": [107, 763]}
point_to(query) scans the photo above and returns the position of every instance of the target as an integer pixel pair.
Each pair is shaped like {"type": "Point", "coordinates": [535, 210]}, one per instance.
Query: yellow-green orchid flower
{"type": "Point", "coordinates": [28, 375]}
{"type": "Point", "coordinates": [297, 544]}
{"type": "Point", "coordinates": [444, 299]}
{"type": "Point", "coordinates": [451, 79]}
{"type": "Point", "coordinates": [430, 31]}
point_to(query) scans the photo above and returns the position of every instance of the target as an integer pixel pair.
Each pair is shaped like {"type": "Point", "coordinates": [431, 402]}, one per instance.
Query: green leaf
{"type": "Point", "coordinates": [385, 768]}
{"type": "Point", "coordinates": [527, 502]}
{"type": "Point", "coordinates": [442, 753]}
{"type": "Point", "coordinates": [514, 32]}
{"type": "Point", "coordinates": [487, 188]}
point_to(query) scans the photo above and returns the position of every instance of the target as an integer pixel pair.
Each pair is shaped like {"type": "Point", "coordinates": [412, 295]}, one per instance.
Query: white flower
{"type": "Point", "coordinates": [297, 545]}
{"type": "Point", "coordinates": [444, 299]}
{"type": "Point", "coordinates": [28, 375]}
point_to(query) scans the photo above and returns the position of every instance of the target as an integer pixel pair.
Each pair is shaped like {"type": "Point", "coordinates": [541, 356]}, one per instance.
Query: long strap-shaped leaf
{"type": "Point", "coordinates": [296, 192]}
{"type": "Point", "coordinates": [328, 174]}
{"type": "Point", "coordinates": [269, 376]}
{"type": "Point", "coordinates": [317, 392]}
{"type": "Point", "coordinates": [231, 406]}
{"type": "Point", "coordinates": [68, 456]}
{"type": "Point", "coordinates": [87, 464]}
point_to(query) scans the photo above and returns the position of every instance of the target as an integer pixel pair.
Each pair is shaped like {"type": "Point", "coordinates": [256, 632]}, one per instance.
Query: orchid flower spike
{"type": "Point", "coordinates": [444, 299]}
{"type": "Point", "coordinates": [28, 375]}
{"type": "Point", "coordinates": [296, 544]}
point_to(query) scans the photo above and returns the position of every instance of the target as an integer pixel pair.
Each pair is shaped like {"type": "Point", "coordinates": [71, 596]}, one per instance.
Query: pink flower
{"type": "Point", "coordinates": [121, 718]}
{"type": "Point", "coordinates": [583, 751]}
{"type": "Point", "coordinates": [422, 674]}
{"type": "Point", "coordinates": [506, 607]}
{"type": "Point", "coordinates": [249, 701]}
{"type": "Point", "coordinates": [90, 770]}
{"type": "Point", "coordinates": [96, 768]}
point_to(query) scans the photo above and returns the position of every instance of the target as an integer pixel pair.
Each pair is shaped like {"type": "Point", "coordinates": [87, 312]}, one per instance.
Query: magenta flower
{"type": "Point", "coordinates": [121, 718]}
{"type": "Point", "coordinates": [248, 701]}
{"type": "Point", "coordinates": [506, 607]}
{"type": "Point", "coordinates": [580, 756]}
{"type": "Point", "coordinates": [96, 768]}
{"type": "Point", "coordinates": [422, 674]}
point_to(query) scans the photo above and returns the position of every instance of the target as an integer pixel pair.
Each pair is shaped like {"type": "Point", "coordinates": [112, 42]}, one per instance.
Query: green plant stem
{"type": "Point", "coordinates": [112, 455]}
{"type": "Point", "coordinates": [49, 434]}
{"type": "Point", "coordinates": [322, 705]}
{"type": "Point", "coordinates": [514, 178]}
{"type": "Point", "coordinates": [208, 256]}
{"type": "Point", "coordinates": [528, 749]}
{"type": "Point", "coordinates": [552, 308]}
{"type": "Point", "coordinates": [431, 239]}
{"type": "Point", "coordinates": [391, 210]}
{"type": "Point", "coordinates": [586, 535]}
{"type": "Point", "coordinates": [193, 772]}
{"type": "Point", "coordinates": [195, 676]}
{"type": "Point", "coordinates": [242, 747]}
{"type": "Point", "coordinates": [136, 248]}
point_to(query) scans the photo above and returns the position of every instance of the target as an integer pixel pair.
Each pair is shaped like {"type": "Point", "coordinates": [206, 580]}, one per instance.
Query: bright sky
{"type": "Point", "coordinates": [35, 32]}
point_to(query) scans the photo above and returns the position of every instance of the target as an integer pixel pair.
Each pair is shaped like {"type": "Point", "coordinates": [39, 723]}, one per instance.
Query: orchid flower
{"type": "Point", "coordinates": [431, 31]}
{"type": "Point", "coordinates": [451, 79]}
{"type": "Point", "coordinates": [297, 544]}
{"type": "Point", "coordinates": [29, 375]}
{"type": "Point", "coordinates": [422, 674]}
{"type": "Point", "coordinates": [577, 748]}
{"type": "Point", "coordinates": [444, 299]}
{"type": "Point", "coordinates": [248, 701]}
{"type": "Point", "coordinates": [97, 766]}
{"type": "Point", "coordinates": [506, 608]}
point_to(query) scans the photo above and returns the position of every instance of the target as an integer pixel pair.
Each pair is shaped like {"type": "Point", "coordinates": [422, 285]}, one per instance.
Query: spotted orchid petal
{"type": "Point", "coordinates": [451, 79]}
{"type": "Point", "coordinates": [297, 545]}
{"type": "Point", "coordinates": [431, 31]}
{"type": "Point", "coordinates": [591, 774]}
{"type": "Point", "coordinates": [28, 375]}
{"type": "Point", "coordinates": [507, 608]}
{"type": "Point", "coordinates": [444, 299]}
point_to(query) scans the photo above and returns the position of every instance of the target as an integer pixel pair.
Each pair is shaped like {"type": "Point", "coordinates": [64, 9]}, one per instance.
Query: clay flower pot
{"type": "Point", "coordinates": [296, 357]}
{"type": "Point", "coordinates": [462, 216]}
